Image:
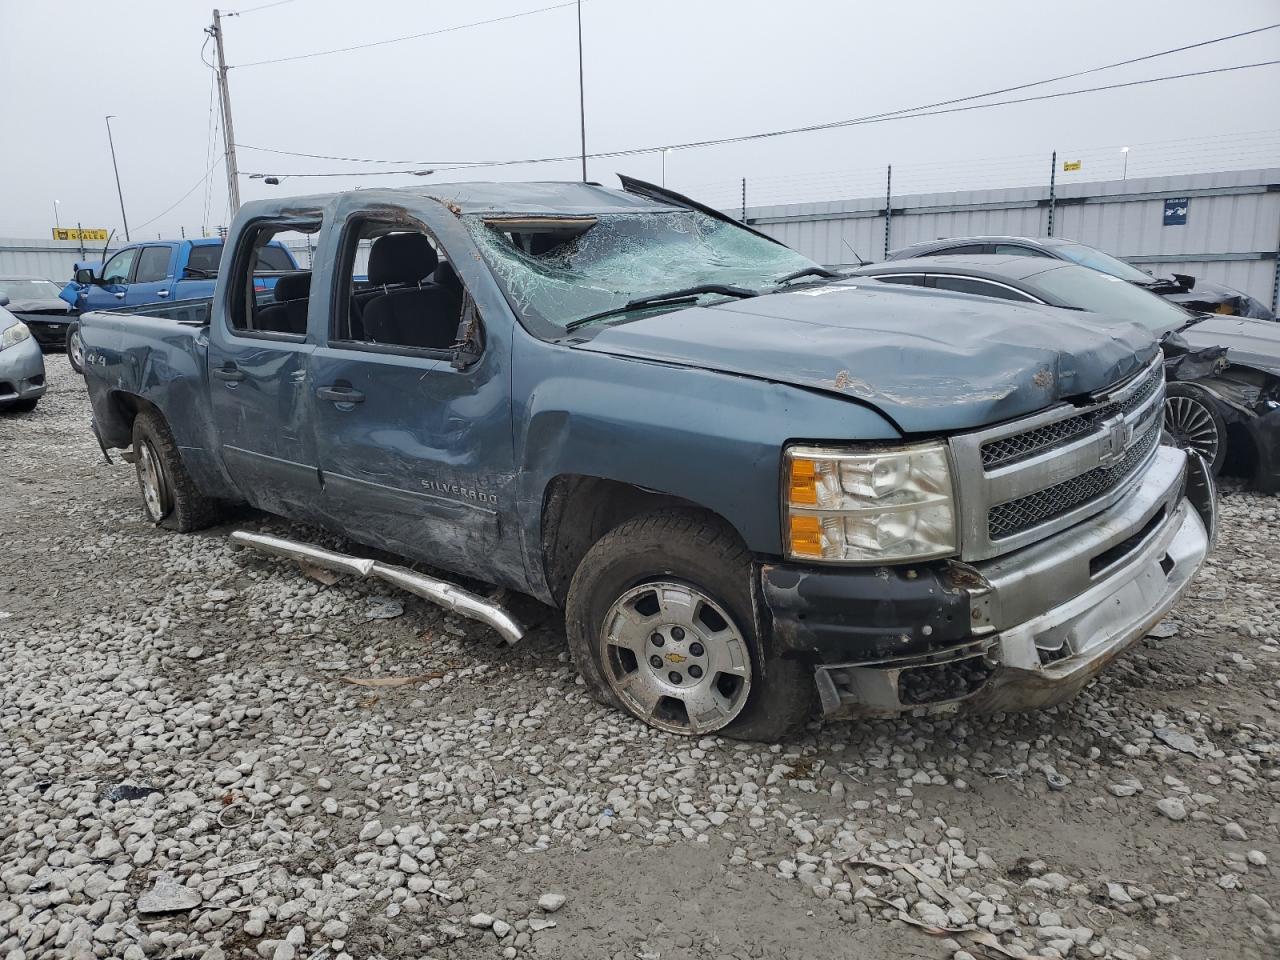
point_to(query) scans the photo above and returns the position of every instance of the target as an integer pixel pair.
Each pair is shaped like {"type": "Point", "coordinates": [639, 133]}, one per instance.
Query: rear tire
{"type": "Point", "coordinates": [21, 406]}
{"type": "Point", "coordinates": [169, 495]}
{"type": "Point", "coordinates": [673, 588]}
{"type": "Point", "coordinates": [75, 348]}
{"type": "Point", "coordinates": [1192, 422]}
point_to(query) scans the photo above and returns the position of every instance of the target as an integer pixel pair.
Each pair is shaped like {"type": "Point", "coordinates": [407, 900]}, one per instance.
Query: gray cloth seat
{"type": "Point", "coordinates": [405, 308]}
{"type": "Point", "coordinates": [288, 314]}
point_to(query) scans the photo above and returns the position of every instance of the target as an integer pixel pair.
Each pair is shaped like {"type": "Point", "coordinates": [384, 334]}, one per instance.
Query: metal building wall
{"type": "Point", "coordinates": [52, 259]}
{"type": "Point", "coordinates": [1232, 232]}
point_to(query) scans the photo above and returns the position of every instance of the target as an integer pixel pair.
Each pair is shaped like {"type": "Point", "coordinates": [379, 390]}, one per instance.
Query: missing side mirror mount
{"type": "Point", "coordinates": [468, 345]}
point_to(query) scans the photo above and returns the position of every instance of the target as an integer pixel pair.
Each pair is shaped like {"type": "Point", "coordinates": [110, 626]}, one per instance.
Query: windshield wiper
{"type": "Point", "coordinates": [685, 295]}
{"type": "Point", "coordinates": [807, 272]}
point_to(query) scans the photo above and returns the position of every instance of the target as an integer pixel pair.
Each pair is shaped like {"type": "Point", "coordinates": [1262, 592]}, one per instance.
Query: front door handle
{"type": "Point", "coordinates": [162, 293]}
{"type": "Point", "coordinates": [340, 393]}
{"type": "Point", "coordinates": [119, 296]}
{"type": "Point", "coordinates": [229, 373]}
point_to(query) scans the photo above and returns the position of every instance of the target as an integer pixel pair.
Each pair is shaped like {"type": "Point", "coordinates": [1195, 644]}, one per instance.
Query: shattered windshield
{"type": "Point", "coordinates": [558, 270]}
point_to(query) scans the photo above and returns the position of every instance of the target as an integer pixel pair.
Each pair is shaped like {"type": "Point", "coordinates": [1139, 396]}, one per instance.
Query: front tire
{"type": "Point", "coordinates": [1192, 422]}
{"type": "Point", "coordinates": [21, 406]}
{"type": "Point", "coordinates": [75, 348]}
{"type": "Point", "coordinates": [169, 495]}
{"type": "Point", "coordinates": [660, 624]}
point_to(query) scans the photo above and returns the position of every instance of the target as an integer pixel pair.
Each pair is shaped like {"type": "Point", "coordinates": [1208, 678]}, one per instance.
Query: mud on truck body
{"type": "Point", "coordinates": [755, 490]}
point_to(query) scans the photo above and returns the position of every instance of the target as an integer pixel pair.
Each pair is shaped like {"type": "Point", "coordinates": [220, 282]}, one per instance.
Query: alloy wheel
{"type": "Point", "coordinates": [1191, 426]}
{"type": "Point", "coordinates": [675, 658]}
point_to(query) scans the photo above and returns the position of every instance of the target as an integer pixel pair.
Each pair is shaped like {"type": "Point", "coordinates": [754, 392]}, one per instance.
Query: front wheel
{"type": "Point", "coordinates": [1192, 422]}
{"type": "Point", "coordinates": [75, 348]}
{"type": "Point", "coordinates": [660, 624]}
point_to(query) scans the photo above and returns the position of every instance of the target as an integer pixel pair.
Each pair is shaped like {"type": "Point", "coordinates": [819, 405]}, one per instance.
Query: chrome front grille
{"type": "Point", "coordinates": [1015, 516]}
{"type": "Point", "coordinates": [1025, 480]}
{"type": "Point", "coordinates": [996, 453]}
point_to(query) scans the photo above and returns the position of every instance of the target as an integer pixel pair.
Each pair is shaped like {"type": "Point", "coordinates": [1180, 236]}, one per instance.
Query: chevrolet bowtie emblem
{"type": "Point", "coordinates": [676, 658]}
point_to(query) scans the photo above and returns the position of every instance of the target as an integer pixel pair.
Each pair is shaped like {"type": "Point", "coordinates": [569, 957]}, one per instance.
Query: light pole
{"type": "Point", "coordinates": [1124, 151]}
{"type": "Point", "coordinates": [582, 97]}
{"type": "Point", "coordinates": [116, 168]}
{"type": "Point", "coordinates": [56, 222]}
{"type": "Point", "coordinates": [664, 165]}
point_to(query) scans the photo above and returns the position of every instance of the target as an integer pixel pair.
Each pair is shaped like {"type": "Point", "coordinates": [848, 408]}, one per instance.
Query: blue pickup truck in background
{"type": "Point", "coordinates": [755, 488]}
{"type": "Point", "coordinates": [156, 271]}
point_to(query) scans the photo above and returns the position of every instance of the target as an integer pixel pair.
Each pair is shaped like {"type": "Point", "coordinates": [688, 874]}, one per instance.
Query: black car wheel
{"type": "Point", "coordinates": [1192, 422]}
{"type": "Point", "coordinates": [75, 348]}
{"type": "Point", "coordinates": [169, 495]}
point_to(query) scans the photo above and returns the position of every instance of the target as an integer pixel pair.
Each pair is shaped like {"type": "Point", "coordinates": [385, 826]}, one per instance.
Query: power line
{"type": "Point", "coordinates": [412, 36]}
{"type": "Point", "coordinates": [263, 6]}
{"type": "Point", "coordinates": [891, 113]}
{"type": "Point", "coordinates": [905, 114]}
{"type": "Point", "coordinates": [198, 183]}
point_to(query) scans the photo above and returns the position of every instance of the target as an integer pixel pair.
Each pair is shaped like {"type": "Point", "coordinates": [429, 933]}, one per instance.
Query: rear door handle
{"type": "Point", "coordinates": [340, 393]}
{"type": "Point", "coordinates": [162, 293]}
{"type": "Point", "coordinates": [119, 296]}
{"type": "Point", "coordinates": [228, 373]}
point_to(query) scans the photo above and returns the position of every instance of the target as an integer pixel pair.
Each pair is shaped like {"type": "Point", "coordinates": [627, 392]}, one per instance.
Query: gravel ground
{"type": "Point", "coordinates": [187, 771]}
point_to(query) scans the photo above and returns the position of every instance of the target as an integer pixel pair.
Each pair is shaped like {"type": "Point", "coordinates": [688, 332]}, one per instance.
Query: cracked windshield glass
{"type": "Point", "coordinates": [564, 271]}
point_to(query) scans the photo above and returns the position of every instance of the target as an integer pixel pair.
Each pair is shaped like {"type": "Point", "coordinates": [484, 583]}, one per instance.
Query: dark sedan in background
{"type": "Point", "coordinates": [34, 301]}
{"type": "Point", "coordinates": [1200, 296]}
{"type": "Point", "coordinates": [1224, 372]}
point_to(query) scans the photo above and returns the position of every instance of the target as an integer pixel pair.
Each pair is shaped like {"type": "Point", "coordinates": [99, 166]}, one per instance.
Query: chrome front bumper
{"type": "Point", "coordinates": [1047, 618]}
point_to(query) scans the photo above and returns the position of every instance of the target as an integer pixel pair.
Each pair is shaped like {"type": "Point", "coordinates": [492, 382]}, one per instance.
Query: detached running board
{"type": "Point", "coordinates": [429, 588]}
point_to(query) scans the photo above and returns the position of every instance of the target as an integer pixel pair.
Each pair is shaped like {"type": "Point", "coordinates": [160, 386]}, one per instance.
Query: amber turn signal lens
{"type": "Point", "coordinates": [806, 536]}
{"type": "Point", "coordinates": [803, 487]}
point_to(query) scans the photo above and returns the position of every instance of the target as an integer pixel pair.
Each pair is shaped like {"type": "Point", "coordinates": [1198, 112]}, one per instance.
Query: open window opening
{"type": "Point", "coordinates": [267, 300]}
{"type": "Point", "coordinates": [399, 291]}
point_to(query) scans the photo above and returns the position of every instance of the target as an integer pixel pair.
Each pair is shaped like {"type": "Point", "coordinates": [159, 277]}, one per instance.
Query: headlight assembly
{"type": "Point", "coordinates": [874, 506]}
{"type": "Point", "coordinates": [10, 336]}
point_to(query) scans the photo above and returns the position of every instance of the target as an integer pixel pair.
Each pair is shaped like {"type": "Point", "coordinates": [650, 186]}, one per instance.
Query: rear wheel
{"type": "Point", "coordinates": [169, 495]}
{"type": "Point", "coordinates": [75, 348]}
{"type": "Point", "coordinates": [1192, 422]}
{"type": "Point", "coordinates": [660, 624]}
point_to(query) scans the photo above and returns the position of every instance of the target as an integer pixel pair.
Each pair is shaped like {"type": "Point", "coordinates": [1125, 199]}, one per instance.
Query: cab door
{"type": "Point", "coordinates": [416, 452]}
{"type": "Point", "coordinates": [112, 286]}
{"type": "Point", "coordinates": [261, 397]}
{"type": "Point", "coordinates": [152, 275]}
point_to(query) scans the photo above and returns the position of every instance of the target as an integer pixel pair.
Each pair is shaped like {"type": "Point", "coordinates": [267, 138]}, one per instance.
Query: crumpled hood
{"type": "Point", "coordinates": [43, 305]}
{"type": "Point", "coordinates": [1250, 343]}
{"type": "Point", "coordinates": [931, 362]}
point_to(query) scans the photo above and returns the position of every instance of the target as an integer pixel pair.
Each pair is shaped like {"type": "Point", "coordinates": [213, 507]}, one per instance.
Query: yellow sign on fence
{"type": "Point", "coordinates": [73, 233]}
{"type": "Point", "coordinates": [1069, 165]}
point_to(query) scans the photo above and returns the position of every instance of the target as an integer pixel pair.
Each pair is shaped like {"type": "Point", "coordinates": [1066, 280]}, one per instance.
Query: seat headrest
{"type": "Point", "coordinates": [401, 258]}
{"type": "Point", "coordinates": [446, 276]}
{"type": "Point", "coordinates": [293, 286]}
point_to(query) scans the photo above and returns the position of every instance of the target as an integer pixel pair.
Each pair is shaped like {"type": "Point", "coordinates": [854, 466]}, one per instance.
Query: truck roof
{"type": "Point", "coordinates": [538, 197]}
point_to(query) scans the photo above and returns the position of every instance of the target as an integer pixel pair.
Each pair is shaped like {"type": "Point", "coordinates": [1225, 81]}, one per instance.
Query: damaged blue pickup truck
{"type": "Point", "coordinates": [756, 490]}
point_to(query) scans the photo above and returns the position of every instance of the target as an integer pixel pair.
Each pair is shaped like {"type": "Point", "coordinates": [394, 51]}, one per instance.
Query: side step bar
{"type": "Point", "coordinates": [429, 588]}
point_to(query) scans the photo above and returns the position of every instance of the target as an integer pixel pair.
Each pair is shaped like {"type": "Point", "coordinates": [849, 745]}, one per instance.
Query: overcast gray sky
{"type": "Point", "coordinates": [657, 72]}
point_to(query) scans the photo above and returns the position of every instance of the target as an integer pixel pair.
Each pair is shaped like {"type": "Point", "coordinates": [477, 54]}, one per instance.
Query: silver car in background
{"type": "Point", "coordinates": [22, 381]}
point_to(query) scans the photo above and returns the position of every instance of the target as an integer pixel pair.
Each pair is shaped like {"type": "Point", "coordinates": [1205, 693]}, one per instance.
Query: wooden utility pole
{"type": "Point", "coordinates": [228, 130]}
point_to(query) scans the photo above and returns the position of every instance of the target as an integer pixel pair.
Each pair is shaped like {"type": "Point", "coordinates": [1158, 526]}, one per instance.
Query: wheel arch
{"type": "Point", "coordinates": [578, 509]}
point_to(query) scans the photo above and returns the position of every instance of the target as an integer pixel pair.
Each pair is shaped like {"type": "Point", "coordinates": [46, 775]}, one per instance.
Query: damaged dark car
{"type": "Point", "coordinates": [1196, 294]}
{"type": "Point", "coordinates": [34, 301]}
{"type": "Point", "coordinates": [1223, 373]}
